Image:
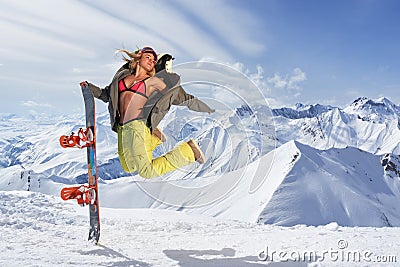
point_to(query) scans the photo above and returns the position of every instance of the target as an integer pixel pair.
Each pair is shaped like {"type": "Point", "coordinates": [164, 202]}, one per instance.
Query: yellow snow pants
{"type": "Point", "coordinates": [135, 149]}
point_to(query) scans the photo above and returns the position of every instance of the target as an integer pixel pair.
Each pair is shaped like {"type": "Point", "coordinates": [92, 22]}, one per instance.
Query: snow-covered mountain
{"type": "Point", "coordinates": [371, 125]}
{"type": "Point", "coordinates": [301, 111]}
{"type": "Point", "coordinates": [378, 111]}
{"type": "Point", "coordinates": [308, 165]}
{"type": "Point", "coordinates": [349, 186]}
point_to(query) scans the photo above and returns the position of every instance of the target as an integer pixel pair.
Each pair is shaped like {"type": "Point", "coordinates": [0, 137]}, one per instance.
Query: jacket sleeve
{"type": "Point", "coordinates": [178, 96]}
{"type": "Point", "coordinates": [102, 94]}
{"type": "Point", "coordinates": [184, 99]}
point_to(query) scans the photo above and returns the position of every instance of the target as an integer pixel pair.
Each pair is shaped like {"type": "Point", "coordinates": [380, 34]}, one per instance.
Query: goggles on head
{"type": "Point", "coordinates": [147, 49]}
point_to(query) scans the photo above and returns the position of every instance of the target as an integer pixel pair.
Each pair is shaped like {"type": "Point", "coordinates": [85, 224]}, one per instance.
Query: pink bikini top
{"type": "Point", "coordinates": [137, 88]}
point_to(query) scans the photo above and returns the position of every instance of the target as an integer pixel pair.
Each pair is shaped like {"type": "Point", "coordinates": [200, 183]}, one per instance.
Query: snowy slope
{"type": "Point", "coordinates": [293, 184]}
{"type": "Point", "coordinates": [349, 186]}
{"type": "Point", "coordinates": [40, 230]}
{"type": "Point", "coordinates": [213, 195]}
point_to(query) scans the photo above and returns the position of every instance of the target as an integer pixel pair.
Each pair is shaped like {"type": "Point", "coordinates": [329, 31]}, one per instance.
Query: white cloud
{"type": "Point", "coordinates": [230, 84]}
{"type": "Point", "coordinates": [91, 31]}
{"type": "Point", "coordinates": [289, 81]}
{"type": "Point", "coordinates": [159, 24]}
{"type": "Point", "coordinates": [257, 78]}
{"type": "Point", "coordinates": [31, 103]}
{"type": "Point", "coordinates": [297, 77]}
{"type": "Point", "coordinates": [235, 26]}
{"type": "Point", "coordinates": [71, 41]}
{"type": "Point", "coordinates": [278, 81]}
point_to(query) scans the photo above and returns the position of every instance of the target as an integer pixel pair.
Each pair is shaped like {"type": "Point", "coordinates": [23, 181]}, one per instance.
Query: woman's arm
{"type": "Point", "coordinates": [182, 98]}
{"type": "Point", "coordinates": [102, 94]}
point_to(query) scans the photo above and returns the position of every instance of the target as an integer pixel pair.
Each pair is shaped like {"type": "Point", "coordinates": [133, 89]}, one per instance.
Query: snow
{"type": "Point", "coordinates": [348, 186]}
{"type": "Point", "coordinates": [41, 230]}
{"type": "Point", "coordinates": [276, 183]}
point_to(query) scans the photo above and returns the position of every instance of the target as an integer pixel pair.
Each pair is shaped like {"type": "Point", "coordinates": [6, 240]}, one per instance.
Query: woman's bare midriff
{"type": "Point", "coordinates": [131, 106]}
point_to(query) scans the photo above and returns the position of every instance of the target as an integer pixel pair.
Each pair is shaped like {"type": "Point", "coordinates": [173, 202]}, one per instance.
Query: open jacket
{"type": "Point", "coordinates": [158, 103]}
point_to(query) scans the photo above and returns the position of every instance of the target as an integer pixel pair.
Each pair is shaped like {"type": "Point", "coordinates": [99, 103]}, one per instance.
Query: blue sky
{"type": "Point", "coordinates": [309, 51]}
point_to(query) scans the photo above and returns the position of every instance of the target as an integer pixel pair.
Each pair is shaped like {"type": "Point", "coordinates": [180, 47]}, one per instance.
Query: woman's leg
{"type": "Point", "coordinates": [137, 145]}
{"type": "Point", "coordinates": [155, 142]}
{"type": "Point", "coordinates": [123, 153]}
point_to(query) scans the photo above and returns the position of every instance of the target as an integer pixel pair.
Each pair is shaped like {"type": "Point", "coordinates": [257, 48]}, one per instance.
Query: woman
{"type": "Point", "coordinates": [132, 87]}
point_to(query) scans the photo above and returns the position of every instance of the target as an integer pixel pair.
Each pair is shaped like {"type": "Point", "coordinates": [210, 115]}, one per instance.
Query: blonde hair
{"type": "Point", "coordinates": [133, 59]}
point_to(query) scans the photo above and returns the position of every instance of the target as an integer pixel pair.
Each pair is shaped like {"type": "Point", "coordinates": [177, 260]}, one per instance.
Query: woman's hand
{"type": "Point", "coordinates": [84, 84]}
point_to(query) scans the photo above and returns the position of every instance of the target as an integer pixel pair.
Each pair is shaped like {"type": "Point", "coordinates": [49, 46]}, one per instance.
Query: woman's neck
{"type": "Point", "coordinates": [140, 72]}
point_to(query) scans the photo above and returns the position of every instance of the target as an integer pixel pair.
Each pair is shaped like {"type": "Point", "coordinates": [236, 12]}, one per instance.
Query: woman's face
{"type": "Point", "coordinates": [147, 61]}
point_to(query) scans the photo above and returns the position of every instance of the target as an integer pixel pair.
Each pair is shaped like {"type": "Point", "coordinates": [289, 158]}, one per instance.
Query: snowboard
{"type": "Point", "coordinates": [86, 194]}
